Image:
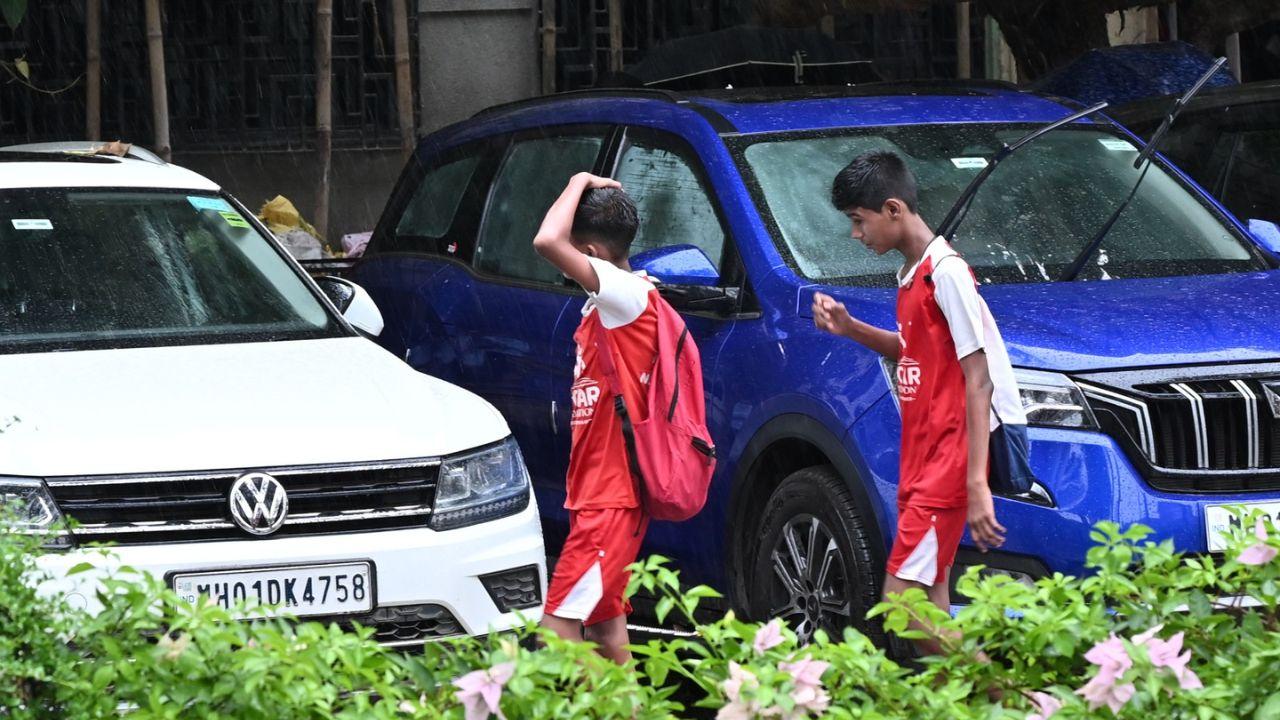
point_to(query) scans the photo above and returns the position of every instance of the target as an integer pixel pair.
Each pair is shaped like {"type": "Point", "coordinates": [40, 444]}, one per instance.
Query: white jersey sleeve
{"type": "Point", "coordinates": [957, 296]}
{"type": "Point", "coordinates": [622, 297]}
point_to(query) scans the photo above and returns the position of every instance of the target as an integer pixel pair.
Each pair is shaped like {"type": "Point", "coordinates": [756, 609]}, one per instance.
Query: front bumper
{"type": "Point", "coordinates": [439, 583]}
{"type": "Point", "coordinates": [1091, 480]}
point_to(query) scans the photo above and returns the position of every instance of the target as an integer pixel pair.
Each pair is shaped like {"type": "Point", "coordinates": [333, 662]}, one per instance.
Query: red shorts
{"type": "Point", "coordinates": [591, 575]}
{"type": "Point", "coordinates": [926, 543]}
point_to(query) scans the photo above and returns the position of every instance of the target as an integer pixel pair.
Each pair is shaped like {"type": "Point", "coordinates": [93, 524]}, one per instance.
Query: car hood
{"type": "Point", "coordinates": [215, 407]}
{"type": "Point", "coordinates": [1116, 324]}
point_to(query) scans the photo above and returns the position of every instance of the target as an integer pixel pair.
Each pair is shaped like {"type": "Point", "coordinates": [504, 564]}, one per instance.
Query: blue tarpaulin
{"type": "Point", "coordinates": [1131, 72]}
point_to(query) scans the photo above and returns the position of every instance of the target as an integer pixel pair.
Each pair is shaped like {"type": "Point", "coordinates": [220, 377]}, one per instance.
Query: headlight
{"type": "Point", "coordinates": [481, 486]}
{"type": "Point", "coordinates": [28, 507]}
{"type": "Point", "coordinates": [1049, 399]}
{"type": "Point", "coordinates": [1052, 399]}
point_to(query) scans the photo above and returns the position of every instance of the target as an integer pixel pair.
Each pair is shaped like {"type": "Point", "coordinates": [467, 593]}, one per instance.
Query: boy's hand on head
{"type": "Point", "coordinates": [830, 315]}
{"type": "Point", "coordinates": [983, 528]}
{"type": "Point", "coordinates": [595, 182]}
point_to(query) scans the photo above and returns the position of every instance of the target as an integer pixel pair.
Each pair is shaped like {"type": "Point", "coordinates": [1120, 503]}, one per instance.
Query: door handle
{"type": "Point", "coordinates": [554, 430]}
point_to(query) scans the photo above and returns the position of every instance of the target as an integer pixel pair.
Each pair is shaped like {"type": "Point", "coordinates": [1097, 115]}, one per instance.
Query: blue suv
{"type": "Point", "coordinates": [1152, 381]}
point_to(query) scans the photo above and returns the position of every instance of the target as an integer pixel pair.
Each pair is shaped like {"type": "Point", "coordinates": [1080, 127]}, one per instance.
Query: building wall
{"type": "Point", "coordinates": [360, 183]}
{"type": "Point", "coordinates": [473, 54]}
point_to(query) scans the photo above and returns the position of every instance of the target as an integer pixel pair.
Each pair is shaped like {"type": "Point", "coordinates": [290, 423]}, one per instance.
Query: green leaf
{"type": "Point", "coordinates": [1270, 709]}
{"type": "Point", "coordinates": [13, 11]}
{"type": "Point", "coordinates": [663, 608]}
{"type": "Point", "coordinates": [23, 68]}
{"type": "Point", "coordinates": [81, 567]}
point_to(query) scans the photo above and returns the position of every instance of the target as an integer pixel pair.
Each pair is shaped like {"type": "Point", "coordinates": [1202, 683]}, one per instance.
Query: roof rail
{"type": "Point", "coordinates": [647, 93]}
{"type": "Point", "coordinates": [84, 147]}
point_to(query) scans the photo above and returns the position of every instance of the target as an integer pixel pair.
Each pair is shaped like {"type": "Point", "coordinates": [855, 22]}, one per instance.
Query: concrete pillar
{"type": "Point", "coordinates": [473, 54]}
{"type": "Point", "coordinates": [1233, 56]}
{"type": "Point", "coordinates": [964, 46]}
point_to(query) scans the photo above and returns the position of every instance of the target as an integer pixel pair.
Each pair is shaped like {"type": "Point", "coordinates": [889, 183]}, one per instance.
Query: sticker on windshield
{"type": "Point", "coordinates": [208, 203]}
{"type": "Point", "coordinates": [969, 163]}
{"type": "Point", "coordinates": [31, 224]}
{"type": "Point", "coordinates": [233, 218]}
{"type": "Point", "coordinates": [1115, 145]}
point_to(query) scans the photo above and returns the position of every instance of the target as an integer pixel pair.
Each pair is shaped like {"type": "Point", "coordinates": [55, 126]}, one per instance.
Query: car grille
{"type": "Point", "coordinates": [405, 625]}
{"type": "Point", "coordinates": [1206, 434]}
{"type": "Point", "coordinates": [140, 509]}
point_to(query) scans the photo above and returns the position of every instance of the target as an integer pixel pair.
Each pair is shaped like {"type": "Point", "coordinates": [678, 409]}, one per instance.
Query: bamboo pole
{"type": "Point", "coordinates": [964, 45]}
{"type": "Point", "coordinates": [159, 92]}
{"type": "Point", "coordinates": [548, 46]}
{"type": "Point", "coordinates": [93, 69]}
{"type": "Point", "coordinates": [404, 77]}
{"type": "Point", "coordinates": [324, 111]}
{"type": "Point", "coordinates": [615, 35]}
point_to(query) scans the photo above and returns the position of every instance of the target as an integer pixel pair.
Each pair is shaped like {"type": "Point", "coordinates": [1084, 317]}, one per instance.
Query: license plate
{"type": "Point", "coordinates": [1218, 520]}
{"type": "Point", "coordinates": [333, 589]}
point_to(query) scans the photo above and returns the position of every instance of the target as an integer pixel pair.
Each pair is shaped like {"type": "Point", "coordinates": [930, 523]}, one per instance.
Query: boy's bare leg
{"type": "Point", "coordinates": [564, 627]}
{"type": "Point", "coordinates": [939, 595]}
{"type": "Point", "coordinates": [612, 639]}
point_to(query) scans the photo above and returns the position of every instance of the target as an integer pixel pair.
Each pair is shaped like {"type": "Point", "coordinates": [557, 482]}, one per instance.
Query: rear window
{"type": "Point", "coordinates": [1028, 221]}
{"type": "Point", "coordinates": [83, 268]}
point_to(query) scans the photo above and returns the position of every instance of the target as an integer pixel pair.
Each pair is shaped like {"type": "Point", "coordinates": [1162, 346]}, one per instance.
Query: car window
{"type": "Point", "coordinates": [673, 203]}
{"type": "Point", "coordinates": [1026, 224]}
{"type": "Point", "coordinates": [115, 268]}
{"type": "Point", "coordinates": [435, 202]}
{"type": "Point", "coordinates": [532, 176]}
{"type": "Point", "coordinates": [1253, 178]}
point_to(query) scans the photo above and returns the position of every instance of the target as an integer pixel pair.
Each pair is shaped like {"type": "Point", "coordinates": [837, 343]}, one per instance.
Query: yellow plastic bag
{"type": "Point", "coordinates": [280, 216]}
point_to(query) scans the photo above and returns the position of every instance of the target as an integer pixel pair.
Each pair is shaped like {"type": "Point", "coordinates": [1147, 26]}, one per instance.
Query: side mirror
{"type": "Point", "coordinates": [1267, 235]}
{"type": "Point", "coordinates": [678, 265]}
{"type": "Point", "coordinates": [353, 302]}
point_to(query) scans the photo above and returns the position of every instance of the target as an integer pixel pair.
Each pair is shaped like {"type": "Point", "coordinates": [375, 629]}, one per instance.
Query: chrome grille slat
{"type": "Point", "coordinates": [194, 506]}
{"type": "Point", "coordinates": [1208, 434]}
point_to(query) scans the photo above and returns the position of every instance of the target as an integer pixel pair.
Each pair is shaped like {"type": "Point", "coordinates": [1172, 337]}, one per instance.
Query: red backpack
{"type": "Point", "coordinates": [670, 452]}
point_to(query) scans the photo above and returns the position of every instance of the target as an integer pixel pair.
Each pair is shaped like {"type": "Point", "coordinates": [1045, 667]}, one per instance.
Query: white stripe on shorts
{"type": "Point", "coordinates": [922, 564]}
{"type": "Point", "coordinates": [585, 595]}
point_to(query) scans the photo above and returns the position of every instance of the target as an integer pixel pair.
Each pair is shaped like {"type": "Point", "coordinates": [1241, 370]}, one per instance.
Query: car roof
{"type": "Point", "coordinates": [50, 165]}
{"type": "Point", "coordinates": [747, 111]}
{"type": "Point", "coordinates": [1153, 110]}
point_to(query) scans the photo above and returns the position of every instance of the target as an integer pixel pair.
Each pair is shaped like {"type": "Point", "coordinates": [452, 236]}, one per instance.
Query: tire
{"type": "Point", "coordinates": [810, 523]}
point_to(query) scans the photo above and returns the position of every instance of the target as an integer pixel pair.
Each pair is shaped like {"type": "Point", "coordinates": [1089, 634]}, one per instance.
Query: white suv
{"type": "Point", "coordinates": [174, 383]}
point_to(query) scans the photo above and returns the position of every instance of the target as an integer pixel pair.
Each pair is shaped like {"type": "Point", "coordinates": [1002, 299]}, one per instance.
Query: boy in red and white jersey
{"type": "Point", "coordinates": [587, 235]}
{"type": "Point", "coordinates": [955, 383]}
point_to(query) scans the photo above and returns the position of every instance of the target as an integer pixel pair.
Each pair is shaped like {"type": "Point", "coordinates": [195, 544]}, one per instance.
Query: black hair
{"type": "Point", "coordinates": [871, 179]}
{"type": "Point", "coordinates": [607, 215]}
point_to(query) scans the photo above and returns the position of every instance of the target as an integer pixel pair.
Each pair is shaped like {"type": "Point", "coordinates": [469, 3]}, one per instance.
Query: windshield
{"type": "Point", "coordinates": [82, 268]}
{"type": "Point", "coordinates": [1028, 221]}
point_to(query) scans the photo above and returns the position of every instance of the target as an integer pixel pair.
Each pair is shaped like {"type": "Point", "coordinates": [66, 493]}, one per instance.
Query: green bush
{"type": "Point", "coordinates": [1144, 636]}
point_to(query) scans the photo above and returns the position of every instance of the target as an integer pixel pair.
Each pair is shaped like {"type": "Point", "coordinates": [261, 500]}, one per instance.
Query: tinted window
{"type": "Point", "coordinates": [1027, 223]}
{"type": "Point", "coordinates": [430, 212]}
{"type": "Point", "coordinates": [673, 203]}
{"type": "Point", "coordinates": [104, 268]}
{"type": "Point", "coordinates": [532, 176]}
{"type": "Point", "coordinates": [1252, 189]}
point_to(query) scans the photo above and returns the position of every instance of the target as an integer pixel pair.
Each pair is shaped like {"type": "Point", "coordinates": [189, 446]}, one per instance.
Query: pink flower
{"type": "Point", "coordinates": [738, 708]}
{"type": "Point", "coordinates": [768, 636]}
{"type": "Point", "coordinates": [1260, 553]}
{"type": "Point", "coordinates": [1103, 691]}
{"type": "Point", "coordinates": [1111, 657]}
{"type": "Point", "coordinates": [808, 694]}
{"type": "Point", "coordinates": [479, 691]}
{"type": "Point", "coordinates": [1168, 654]}
{"type": "Point", "coordinates": [1046, 704]}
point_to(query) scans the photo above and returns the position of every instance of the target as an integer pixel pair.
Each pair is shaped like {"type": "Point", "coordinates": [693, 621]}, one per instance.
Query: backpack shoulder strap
{"type": "Point", "coordinates": [605, 355]}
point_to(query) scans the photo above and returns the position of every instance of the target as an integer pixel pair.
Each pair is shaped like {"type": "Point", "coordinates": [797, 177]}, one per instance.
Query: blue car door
{"type": "Point", "coordinates": [417, 265]}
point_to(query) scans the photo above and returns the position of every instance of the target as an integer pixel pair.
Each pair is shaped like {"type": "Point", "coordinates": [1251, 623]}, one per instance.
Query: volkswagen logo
{"type": "Point", "coordinates": [258, 503]}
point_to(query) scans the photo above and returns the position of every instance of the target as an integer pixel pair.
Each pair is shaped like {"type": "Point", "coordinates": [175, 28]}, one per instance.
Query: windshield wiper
{"type": "Point", "coordinates": [961, 208]}
{"type": "Point", "coordinates": [1144, 157]}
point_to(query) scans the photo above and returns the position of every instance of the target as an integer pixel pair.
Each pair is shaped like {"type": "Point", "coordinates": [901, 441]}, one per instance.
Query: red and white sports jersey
{"type": "Point", "coordinates": [941, 319]}
{"type": "Point", "coordinates": [599, 476]}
